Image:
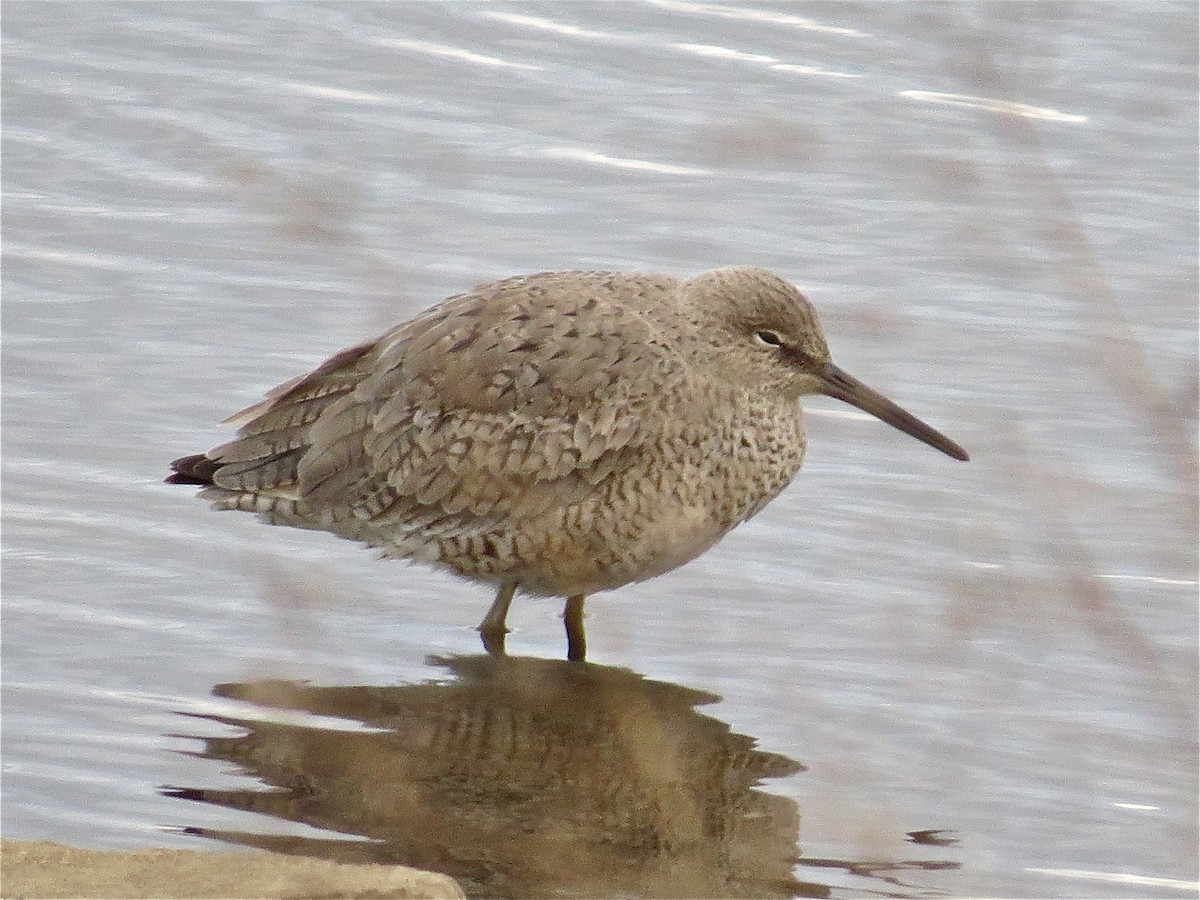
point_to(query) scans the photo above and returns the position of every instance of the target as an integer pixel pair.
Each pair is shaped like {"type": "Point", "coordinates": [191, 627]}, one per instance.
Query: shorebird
{"type": "Point", "coordinates": [560, 433]}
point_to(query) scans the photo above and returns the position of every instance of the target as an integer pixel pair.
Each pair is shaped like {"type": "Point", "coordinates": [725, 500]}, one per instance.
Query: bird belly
{"type": "Point", "coordinates": [665, 512]}
{"type": "Point", "coordinates": [612, 553]}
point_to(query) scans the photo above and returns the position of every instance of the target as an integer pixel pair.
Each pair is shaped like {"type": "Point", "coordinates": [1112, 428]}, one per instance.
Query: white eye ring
{"type": "Point", "coordinates": [768, 338]}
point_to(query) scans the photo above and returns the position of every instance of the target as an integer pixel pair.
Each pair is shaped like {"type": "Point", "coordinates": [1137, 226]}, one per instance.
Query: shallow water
{"type": "Point", "coordinates": [993, 207]}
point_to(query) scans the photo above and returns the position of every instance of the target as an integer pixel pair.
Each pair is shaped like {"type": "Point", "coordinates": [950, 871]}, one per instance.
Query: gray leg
{"type": "Point", "coordinates": [492, 629]}
{"type": "Point", "coordinates": [573, 616]}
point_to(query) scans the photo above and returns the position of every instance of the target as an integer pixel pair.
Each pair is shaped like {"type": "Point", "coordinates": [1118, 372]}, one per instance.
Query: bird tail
{"type": "Point", "coordinates": [195, 469]}
{"type": "Point", "coordinates": [264, 457]}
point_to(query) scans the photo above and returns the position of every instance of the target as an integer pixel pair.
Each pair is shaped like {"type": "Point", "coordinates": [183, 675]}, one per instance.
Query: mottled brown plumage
{"type": "Point", "coordinates": [566, 432]}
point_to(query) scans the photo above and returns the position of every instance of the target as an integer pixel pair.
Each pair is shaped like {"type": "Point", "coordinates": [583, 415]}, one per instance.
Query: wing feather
{"type": "Point", "coordinates": [496, 404]}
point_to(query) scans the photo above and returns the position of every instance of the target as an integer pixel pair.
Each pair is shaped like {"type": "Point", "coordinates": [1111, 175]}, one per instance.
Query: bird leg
{"type": "Point", "coordinates": [573, 617]}
{"type": "Point", "coordinates": [492, 629]}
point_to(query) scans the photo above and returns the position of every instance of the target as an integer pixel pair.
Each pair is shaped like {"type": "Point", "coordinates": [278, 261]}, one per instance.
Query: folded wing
{"type": "Point", "coordinates": [493, 406]}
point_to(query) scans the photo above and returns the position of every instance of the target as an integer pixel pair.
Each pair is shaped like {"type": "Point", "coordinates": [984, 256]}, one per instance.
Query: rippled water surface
{"type": "Point", "coordinates": [908, 675]}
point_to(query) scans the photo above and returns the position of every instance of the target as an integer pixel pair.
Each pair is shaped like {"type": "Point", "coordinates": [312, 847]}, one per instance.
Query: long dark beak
{"type": "Point", "coordinates": [844, 386]}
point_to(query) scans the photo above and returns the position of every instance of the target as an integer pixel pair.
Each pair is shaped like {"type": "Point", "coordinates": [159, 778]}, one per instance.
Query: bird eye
{"type": "Point", "coordinates": [770, 338]}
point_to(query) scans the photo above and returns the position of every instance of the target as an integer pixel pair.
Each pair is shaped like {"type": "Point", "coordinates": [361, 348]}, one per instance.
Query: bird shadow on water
{"type": "Point", "coordinates": [523, 778]}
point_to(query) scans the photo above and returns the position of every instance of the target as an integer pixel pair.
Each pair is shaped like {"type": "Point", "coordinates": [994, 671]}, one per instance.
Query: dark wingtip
{"type": "Point", "coordinates": [196, 469]}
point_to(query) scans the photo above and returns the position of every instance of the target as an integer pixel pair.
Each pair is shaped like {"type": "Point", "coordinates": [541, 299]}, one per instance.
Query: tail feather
{"type": "Point", "coordinates": [267, 474]}
{"type": "Point", "coordinates": [263, 460]}
{"type": "Point", "coordinates": [194, 469]}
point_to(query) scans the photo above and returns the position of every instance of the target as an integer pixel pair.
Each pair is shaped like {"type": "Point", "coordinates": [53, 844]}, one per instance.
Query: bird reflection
{"type": "Point", "coordinates": [520, 778]}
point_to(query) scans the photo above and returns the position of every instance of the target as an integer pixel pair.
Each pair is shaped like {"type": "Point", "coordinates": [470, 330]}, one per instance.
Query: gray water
{"type": "Point", "coordinates": [992, 205]}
